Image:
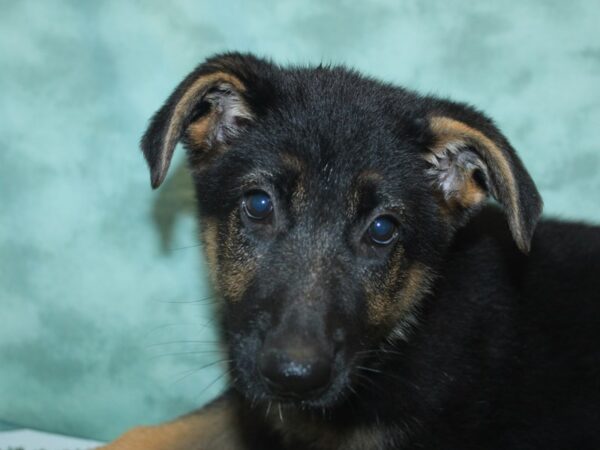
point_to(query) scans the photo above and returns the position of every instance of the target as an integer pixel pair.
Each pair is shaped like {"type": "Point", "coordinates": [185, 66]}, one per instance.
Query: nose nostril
{"type": "Point", "coordinates": [287, 376]}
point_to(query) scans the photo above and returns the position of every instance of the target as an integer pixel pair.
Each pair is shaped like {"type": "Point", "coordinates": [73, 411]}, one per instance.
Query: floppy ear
{"type": "Point", "coordinates": [208, 108]}
{"type": "Point", "coordinates": [470, 159]}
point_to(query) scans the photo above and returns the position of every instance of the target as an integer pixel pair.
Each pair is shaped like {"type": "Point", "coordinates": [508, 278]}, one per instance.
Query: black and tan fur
{"type": "Point", "coordinates": [475, 327]}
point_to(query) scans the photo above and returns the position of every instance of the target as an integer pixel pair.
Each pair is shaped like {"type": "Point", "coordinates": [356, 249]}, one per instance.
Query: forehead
{"type": "Point", "coordinates": [335, 129]}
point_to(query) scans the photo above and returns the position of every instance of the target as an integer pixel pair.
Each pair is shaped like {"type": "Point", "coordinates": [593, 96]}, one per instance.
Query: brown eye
{"type": "Point", "coordinates": [258, 205]}
{"type": "Point", "coordinates": [382, 230]}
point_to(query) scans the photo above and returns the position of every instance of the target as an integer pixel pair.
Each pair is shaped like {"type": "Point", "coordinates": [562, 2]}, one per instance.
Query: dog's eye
{"type": "Point", "coordinates": [383, 230]}
{"type": "Point", "coordinates": [257, 205]}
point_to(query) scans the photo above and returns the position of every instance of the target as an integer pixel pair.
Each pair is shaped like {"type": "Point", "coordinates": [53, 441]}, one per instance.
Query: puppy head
{"type": "Point", "coordinates": [327, 201]}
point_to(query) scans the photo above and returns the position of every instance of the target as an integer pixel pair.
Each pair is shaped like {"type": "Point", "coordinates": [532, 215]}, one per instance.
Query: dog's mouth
{"type": "Point", "coordinates": [321, 398]}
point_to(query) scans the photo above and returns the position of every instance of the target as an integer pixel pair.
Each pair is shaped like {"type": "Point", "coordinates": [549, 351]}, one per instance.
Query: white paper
{"type": "Point", "coordinates": [37, 440]}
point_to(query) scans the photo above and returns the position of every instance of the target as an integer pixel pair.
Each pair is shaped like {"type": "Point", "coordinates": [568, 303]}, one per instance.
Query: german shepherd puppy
{"type": "Point", "coordinates": [371, 297]}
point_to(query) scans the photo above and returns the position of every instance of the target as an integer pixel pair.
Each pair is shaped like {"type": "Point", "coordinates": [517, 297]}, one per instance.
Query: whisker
{"type": "Point", "coordinates": [187, 373]}
{"type": "Point", "coordinates": [191, 341]}
{"type": "Point", "coordinates": [364, 377]}
{"type": "Point", "coordinates": [174, 249]}
{"type": "Point", "coordinates": [369, 369]}
{"type": "Point", "coordinates": [371, 384]}
{"type": "Point", "coordinates": [202, 301]}
{"type": "Point", "coordinates": [392, 376]}
{"type": "Point", "coordinates": [207, 323]}
{"type": "Point", "coordinates": [202, 324]}
{"type": "Point", "coordinates": [214, 381]}
{"type": "Point", "coordinates": [379, 351]}
{"type": "Point", "coordinates": [367, 352]}
{"type": "Point", "coordinates": [195, 352]}
{"type": "Point", "coordinates": [401, 380]}
{"type": "Point", "coordinates": [392, 352]}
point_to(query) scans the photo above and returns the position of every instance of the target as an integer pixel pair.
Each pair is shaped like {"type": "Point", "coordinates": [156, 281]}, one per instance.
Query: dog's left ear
{"type": "Point", "coordinates": [209, 108]}
{"type": "Point", "coordinates": [470, 159]}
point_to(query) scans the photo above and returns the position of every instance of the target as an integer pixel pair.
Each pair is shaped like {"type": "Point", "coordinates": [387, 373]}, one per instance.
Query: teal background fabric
{"type": "Point", "coordinates": [105, 309]}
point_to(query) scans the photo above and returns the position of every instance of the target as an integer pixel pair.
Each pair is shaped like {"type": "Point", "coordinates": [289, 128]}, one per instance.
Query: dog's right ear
{"type": "Point", "coordinates": [208, 108]}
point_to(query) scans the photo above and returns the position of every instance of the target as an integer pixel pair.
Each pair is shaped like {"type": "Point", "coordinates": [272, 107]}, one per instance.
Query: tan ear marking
{"type": "Point", "coordinates": [198, 130]}
{"type": "Point", "coordinates": [182, 110]}
{"type": "Point", "coordinates": [187, 100]}
{"type": "Point", "coordinates": [202, 83]}
{"type": "Point", "coordinates": [451, 133]}
{"type": "Point", "coordinates": [471, 194]}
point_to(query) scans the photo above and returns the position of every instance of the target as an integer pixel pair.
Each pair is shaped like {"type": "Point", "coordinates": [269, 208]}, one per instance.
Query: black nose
{"type": "Point", "coordinates": [296, 371]}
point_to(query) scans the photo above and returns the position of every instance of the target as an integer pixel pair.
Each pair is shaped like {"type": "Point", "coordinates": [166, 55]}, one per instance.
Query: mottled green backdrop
{"type": "Point", "coordinates": [100, 278]}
